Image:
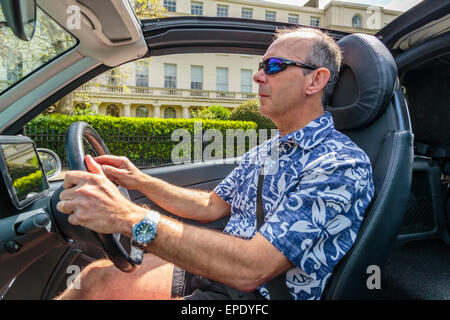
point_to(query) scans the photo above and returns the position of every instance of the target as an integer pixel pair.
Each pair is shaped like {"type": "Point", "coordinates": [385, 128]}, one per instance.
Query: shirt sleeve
{"type": "Point", "coordinates": [228, 187]}
{"type": "Point", "coordinates": [317, 222]}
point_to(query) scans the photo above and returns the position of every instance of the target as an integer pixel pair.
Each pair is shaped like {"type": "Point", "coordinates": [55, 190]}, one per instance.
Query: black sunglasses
{"type": "Point", "coordinates": [275, 65]}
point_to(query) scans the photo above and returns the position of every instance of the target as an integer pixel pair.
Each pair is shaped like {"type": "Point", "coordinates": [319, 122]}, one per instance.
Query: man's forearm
{"type": "Point", "coordinates": [243, 264]}
{"type": "Point", "coordinates": [183, 202]}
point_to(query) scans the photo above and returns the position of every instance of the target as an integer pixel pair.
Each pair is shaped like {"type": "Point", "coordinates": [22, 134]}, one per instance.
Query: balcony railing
{"type": "Point", "coordinates": [168, 92]}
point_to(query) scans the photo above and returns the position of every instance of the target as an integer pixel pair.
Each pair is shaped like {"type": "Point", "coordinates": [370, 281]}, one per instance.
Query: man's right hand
{"type": "Point", "coordinates": [122, 171]}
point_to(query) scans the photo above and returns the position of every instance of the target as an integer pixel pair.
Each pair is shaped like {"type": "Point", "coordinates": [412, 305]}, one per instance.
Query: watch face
{"type": "Point", "coordinates": [145, 232]}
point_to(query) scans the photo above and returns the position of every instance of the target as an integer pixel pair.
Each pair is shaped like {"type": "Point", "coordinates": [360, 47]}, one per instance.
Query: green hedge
{"type": "Point", "coordinates": [140, 139]}
{"type": "Point", "coordinates": [20, 170]}
{"type": "Point", "coordinates": [153, 126]}
{"type": "Point", "coordinates": [31, 183]}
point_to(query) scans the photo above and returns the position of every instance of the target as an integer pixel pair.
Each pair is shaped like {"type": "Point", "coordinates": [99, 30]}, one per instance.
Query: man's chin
{"type": "Point", "coordinates": [264, 109]}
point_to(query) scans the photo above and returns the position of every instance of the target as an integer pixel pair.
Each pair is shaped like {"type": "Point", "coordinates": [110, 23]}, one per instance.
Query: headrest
{"type": "Point", "coordinates": [366, 82]}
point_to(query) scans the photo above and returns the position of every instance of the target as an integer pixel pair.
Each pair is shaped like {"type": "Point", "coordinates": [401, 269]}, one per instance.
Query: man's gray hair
{"type": "Point", "coordinates": [324, 53]}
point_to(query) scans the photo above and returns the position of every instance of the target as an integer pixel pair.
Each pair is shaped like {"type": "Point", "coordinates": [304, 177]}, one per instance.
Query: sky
{"type": "Point", "coordinates": [400, 5]}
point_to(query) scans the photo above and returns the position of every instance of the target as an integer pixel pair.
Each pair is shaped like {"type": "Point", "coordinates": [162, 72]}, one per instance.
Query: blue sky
{"type": "Point", "coordinates": [401, 5]}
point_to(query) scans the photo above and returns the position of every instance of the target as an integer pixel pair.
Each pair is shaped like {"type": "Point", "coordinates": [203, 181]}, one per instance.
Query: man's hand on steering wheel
{"type": "Point", "coordinates": [122, 171]}
{"type": "Point", "coordinates": [94, 202]}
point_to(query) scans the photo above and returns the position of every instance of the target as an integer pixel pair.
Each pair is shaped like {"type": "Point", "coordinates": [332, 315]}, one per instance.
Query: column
{"type": "Point", "coordinates": [94, 107]}
{"type": "Point", "coordinates": [185, 112]}
{"type": "Point", "coordinates": [126, 110]}
{"type": "Point", "coordinates": [157, 111]}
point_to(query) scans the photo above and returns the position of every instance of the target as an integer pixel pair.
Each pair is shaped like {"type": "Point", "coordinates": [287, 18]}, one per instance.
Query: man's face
{"type": "Point", "coordinates": [282, 92]}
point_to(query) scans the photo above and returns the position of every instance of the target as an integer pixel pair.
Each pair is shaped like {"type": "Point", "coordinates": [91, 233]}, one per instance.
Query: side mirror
{"type": "Point", "coordinates": [20, 16]}
{"type": "Point", "coordinates": [50, 162]}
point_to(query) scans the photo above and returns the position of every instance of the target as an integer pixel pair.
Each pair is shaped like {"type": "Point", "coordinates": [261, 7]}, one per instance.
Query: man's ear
{"type": "Point", "coordinates": [318, 80]}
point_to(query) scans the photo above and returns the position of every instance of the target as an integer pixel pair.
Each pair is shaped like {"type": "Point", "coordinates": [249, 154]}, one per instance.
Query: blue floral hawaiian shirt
{"type": "Point", "coordinates": [317, 185]}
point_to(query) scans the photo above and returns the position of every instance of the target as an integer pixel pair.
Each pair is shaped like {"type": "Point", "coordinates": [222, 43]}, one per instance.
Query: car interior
{"type": "Point", "coordinates": [391, 99]}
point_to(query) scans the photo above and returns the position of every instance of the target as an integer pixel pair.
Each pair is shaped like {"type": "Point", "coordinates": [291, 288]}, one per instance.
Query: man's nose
{"type": "Point", "coordinates": [260, 77]}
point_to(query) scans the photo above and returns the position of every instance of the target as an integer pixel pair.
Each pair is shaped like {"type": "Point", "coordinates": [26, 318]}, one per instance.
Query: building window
{"type": "Point", "coordinates": [196, 77]}
{"type": "Point", "coordinates": [356, 21]}
{"type": "Point", "coordinates": [197, 8]}
{"type": "Point", "coordinates": [170, 113]}
{"type": "Point", "coordinates": [222, 11]}
{"type": "Point", "coordinates": [114, 83]}
{"type": "Point", "coordinates": [314, 22]}
{"type": "Point", "coordinates": [222, 79]}
{"type": "Point", "coordinates": [141, 74]}
{"type": "Point", "coordinates": [170, 75]}
{"type": "Point", "coordinates": [141, 112]}
{"type": "Point", "coordinates": [170, 5]}
{"type": "Point", "coordinates": [112, 110]}
{"type": "Point", "coordinates": [271, 15]}
{"type": "Point", "coordinates": [293, 18]}
{"type": "Point", "coordinates": [114, 77]}
{"type": "Point", "coordinates": [246, 80]}
{"type": "Point", "coordinates": [247, 13]}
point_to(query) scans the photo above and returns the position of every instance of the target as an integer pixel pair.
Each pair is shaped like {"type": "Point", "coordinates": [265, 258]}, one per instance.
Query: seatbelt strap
{"type": "Point", "coordinates": [277, 286]}
{"type": "Point", "coordinates": [259, 202]}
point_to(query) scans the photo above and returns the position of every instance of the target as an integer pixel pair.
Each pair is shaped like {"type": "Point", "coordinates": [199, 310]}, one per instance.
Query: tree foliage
{"type": "Point", "coordinates": [249, 111]}
{"type": "Point", "coordinates": [148, 9]}
{"type": "Point", "coordinates": [213, 112]}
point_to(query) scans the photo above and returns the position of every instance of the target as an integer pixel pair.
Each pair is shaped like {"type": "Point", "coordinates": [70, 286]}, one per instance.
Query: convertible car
{"type": "Point", "coordinates": [392, 99]}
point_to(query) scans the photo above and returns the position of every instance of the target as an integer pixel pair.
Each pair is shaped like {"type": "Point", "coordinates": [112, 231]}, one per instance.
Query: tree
{"type": "Point", "coordinates": [249, 111]}
{"type": "Point", "coordinates": [213, 112]}
{"type": "Point", "coordinates": [148, 9]}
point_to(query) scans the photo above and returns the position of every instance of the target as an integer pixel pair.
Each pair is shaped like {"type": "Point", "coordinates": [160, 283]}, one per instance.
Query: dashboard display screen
{"type": "Point", "coordinates": [22, 172]}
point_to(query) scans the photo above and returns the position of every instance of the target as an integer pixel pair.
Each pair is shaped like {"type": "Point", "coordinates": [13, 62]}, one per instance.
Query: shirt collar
{"type": "Point", "coordinates": [312, 134]}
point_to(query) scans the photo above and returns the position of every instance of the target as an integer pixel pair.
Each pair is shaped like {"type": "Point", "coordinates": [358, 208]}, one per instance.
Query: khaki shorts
{"type": "Point", "coordinates": [193, 287]}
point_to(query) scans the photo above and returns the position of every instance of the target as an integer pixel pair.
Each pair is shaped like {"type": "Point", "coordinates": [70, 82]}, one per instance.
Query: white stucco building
{"type": "Point", "coordinates": [174, 85]}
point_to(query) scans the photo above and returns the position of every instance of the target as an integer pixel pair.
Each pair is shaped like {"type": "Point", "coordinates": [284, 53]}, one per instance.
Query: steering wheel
{"type": "Point", "coordinates": [117, 247]}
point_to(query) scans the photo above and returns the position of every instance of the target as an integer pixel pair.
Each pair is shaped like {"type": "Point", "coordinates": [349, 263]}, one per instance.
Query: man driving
{"type": "Point", "coordinates": [313, 199]}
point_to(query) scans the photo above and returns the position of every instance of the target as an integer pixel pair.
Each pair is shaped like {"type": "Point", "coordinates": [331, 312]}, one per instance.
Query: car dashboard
{"type": "Point", "coordinates": [25, 217]}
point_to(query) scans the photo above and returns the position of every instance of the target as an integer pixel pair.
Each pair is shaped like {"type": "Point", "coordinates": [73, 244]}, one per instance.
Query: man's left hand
{"type": "Point", "coordinates": [94, 202]}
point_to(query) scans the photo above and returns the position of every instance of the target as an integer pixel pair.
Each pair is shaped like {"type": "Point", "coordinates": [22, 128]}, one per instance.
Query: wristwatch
{"type": "Point", "coordinates": [145, 231]}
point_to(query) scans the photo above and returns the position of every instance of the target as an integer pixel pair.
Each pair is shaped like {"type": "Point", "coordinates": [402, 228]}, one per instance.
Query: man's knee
{"type": "Point", "coordinates": [89, 281]}
{"type": "Point", "coordinates": [102, 280]}
{"type": "Point", "coordinates": [96, 273]}
{"type": "Point", "coordinates": [95, 278]}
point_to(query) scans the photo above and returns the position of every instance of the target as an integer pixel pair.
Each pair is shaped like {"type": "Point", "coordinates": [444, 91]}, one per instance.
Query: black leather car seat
{"type": "Point", "coordinates": [368, 106]}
